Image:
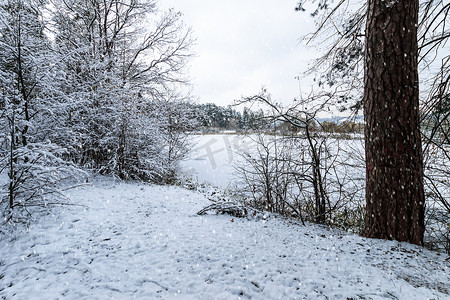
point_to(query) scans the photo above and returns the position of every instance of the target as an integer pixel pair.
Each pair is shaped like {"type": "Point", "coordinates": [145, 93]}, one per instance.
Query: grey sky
{"type": "Point", "coordinates": [243, 45]}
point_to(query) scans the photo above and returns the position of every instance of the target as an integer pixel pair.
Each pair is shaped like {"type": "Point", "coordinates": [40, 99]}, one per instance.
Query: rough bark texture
{"type": "Point", "coordinates": [394, 174]}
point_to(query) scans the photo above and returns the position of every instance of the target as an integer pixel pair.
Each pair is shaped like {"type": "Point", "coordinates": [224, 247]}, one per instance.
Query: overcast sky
{"type": "Point", "coordinates": [243, 45]}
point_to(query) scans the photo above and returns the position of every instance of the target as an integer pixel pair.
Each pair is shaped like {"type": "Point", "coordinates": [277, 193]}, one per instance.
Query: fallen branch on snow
{"type": "Point", "coordinates": [234, 209]}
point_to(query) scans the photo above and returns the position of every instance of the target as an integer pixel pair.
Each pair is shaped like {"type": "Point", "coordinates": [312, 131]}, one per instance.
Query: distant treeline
{"type": "Point", "coordinates": [214, 117]}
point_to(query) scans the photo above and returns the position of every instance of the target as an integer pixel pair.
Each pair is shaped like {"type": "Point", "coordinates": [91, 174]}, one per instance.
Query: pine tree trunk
{"type": "Point", "coordinates": [394, 164]}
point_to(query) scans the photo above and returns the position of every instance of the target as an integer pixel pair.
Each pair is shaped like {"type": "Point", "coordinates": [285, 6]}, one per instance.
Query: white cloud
{"type": "Point", "coordinates": [243, 45]}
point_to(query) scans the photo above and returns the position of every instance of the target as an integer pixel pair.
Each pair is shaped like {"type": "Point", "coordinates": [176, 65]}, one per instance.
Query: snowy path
{"type": "Point", "coordinates": [146, 242]}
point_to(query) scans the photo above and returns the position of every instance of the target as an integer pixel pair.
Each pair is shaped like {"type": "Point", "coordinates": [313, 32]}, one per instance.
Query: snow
{"type": "Point", "coordinates": [214, 156]}
{"type": "Point", "coordinates": [132, 240]}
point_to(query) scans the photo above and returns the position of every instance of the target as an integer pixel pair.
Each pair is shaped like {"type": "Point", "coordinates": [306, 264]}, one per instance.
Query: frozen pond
{"type": "Point", "coordinates": [213, 157]}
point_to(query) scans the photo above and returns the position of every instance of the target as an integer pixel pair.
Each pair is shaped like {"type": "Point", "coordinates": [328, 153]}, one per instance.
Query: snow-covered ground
{"type": "Point", "coordinates": [131, 240]}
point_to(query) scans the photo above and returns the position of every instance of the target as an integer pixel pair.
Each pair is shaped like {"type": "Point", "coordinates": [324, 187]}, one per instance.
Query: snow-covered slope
{"type": "Point", "coordinates": [130, 240]}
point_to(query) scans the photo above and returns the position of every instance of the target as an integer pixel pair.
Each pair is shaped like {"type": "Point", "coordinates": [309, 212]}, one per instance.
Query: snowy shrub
{"type": "Point", "coordinates": [437, 187]}
{"type": "Point", "coordinates": [174, 118]}
{"type": "Point", "coordinates": [286, 175]}
{"type": "Point", "coordinates": [36, 178]}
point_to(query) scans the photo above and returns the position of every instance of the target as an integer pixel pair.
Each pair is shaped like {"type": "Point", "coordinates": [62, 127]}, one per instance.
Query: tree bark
{"type": "Point", "coordinates": [394, 162]}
